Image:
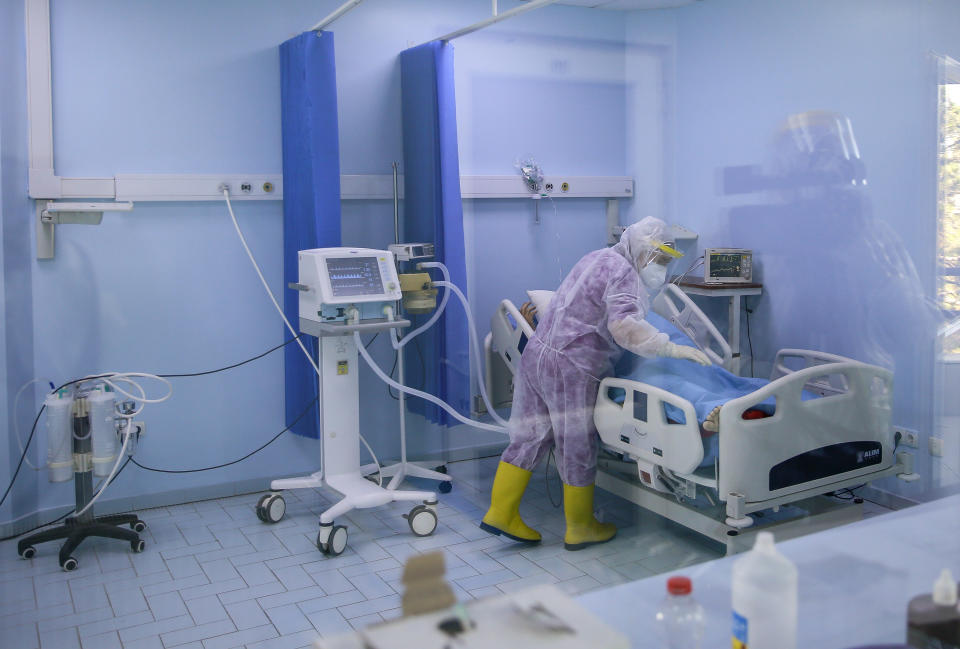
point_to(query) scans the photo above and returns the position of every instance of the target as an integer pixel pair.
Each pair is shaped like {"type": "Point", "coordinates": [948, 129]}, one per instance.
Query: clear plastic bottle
{"type": "Point", "coordinates": [680, 618]}
{"type": "Point", "coordinates": [764, 598]}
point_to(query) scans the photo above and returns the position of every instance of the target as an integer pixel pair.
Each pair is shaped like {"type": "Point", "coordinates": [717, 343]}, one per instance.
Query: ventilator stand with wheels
{"type": "Point", "coordinates": [418, 297]}
{"type": "Point", "coordinates": [78, 527]}
{"type": "Point", "coordinates": [345, 291]}
{"type": "Point", "coordinates": [397, 472]}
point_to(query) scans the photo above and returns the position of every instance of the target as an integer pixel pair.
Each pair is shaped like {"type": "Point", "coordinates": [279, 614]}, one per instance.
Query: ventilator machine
{"type": "Point", "coordinates": [345, 292]}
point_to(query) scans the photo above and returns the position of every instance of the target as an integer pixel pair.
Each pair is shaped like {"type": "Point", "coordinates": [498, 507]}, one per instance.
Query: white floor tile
{"type": "Point", "coordinates": [214, 576]}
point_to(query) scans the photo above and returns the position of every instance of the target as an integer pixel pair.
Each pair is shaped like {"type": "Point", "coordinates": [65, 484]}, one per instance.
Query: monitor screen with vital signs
{"type": "Point", "coordinates": [354, 276]}
{"type": "Point", "coordinates": [728, 265]}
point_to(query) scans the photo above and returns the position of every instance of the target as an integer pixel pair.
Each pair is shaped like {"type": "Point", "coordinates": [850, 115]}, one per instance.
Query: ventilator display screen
{"type": "Point", "coordinates": [726, 265]}
{"type": "Point", "coordinates": [354, 276]}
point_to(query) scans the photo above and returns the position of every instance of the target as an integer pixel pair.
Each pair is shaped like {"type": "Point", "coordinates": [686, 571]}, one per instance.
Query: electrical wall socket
{"type": "Point", "coordinates": [139, 427]}
{"type": "Point", "coordinates": [909, 438]}
{"type": "Point", "coordinates": [936, 446]}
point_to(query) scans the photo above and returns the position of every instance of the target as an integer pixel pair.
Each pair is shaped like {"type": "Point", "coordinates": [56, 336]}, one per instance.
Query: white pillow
{"type": "Point", "coordinates": [541, 300]}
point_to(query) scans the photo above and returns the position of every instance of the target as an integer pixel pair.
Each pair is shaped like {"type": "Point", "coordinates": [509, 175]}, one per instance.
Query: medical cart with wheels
{"type": "Point", "coordinates": [343, 291]}
{"type": "Point", "coordinates": [79, 527]}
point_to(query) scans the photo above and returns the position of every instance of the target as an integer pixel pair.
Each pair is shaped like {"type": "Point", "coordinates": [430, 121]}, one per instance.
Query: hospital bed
{"type": "Point", "coordinates": [821, 424]}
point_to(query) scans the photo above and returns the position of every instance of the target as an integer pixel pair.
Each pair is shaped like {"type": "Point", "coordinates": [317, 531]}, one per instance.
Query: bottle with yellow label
{"type": "Point", "coordinates": [764, 598]}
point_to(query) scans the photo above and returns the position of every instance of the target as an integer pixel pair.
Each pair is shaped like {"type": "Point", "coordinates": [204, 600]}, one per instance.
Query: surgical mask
{"type": "Point", "coordinates": [653, 276]}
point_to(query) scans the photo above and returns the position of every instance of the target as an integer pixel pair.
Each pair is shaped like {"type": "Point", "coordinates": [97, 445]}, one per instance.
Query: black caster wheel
{"type": "Point", "coordinates": [441, 469]}
{"type": "Point", "coordinates": [138, 526]}
{"type": "Point", "coordinates": [336, 543]}
{"type": "Point", "coordinates": [69, 565]}
{"type": "Point", "coordinates": [445, 487]}
{"type": "Point", "coordinates": [422, 520]}
{"type": "Point", "coordinates": [259, 507]}
{"type": "Point", "coordinates": [28, 552]}
{"type": "Point", "coordinates": [138, 546]}
{"type": "Point", "coordinates": [271, 508]}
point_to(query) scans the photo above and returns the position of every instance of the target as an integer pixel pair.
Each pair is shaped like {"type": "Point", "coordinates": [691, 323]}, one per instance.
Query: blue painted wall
{"type": "Point", "coordinates": [184, 87]}
{"type": "Point", "coordinates": [16, 223]}
{"type": "Point", "coordinates": [669, 97]}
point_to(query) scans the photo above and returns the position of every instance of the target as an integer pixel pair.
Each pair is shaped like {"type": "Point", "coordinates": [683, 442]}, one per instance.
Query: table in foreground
{"type": "Point", "coordinates": [855, 581]}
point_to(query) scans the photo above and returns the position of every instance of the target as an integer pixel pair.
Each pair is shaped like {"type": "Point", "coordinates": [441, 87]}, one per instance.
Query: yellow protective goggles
{"type": "Point", "coordinates": [666, 252]}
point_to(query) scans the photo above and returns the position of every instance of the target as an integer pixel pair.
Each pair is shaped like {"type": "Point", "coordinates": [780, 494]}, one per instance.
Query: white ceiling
{"type": "Point", "coordinates": [628, 4]}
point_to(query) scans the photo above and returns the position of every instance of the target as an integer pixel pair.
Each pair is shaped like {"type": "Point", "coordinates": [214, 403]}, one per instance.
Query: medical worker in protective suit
{"type": "Point", "coordinates": [597, 312]}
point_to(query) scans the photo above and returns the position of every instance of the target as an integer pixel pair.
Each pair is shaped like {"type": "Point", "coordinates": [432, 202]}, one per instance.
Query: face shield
{"type": "Point", "coordinates": [653, 273]}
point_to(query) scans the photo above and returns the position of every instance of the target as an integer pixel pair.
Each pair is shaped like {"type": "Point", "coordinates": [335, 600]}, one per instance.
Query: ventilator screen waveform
{"type": "Point", "coordinates": [354, 276]}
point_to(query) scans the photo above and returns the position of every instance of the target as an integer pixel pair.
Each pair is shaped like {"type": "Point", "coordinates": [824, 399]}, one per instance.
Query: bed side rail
{"type": "Point", "coordinates": [639, 427]}
{"type": "Point", "coordinates": [857, 415]}
{"type": "Point", "coordinates": [677, 307]}
{"type": "Point", "coordinates": [804, 358]}
{"type": "Point", "coordinates": [510, 333]}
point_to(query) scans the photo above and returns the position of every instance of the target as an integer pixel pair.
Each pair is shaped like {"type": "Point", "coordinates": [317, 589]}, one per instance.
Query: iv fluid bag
{"type": "Point", "coordinates": [59, 437]}
{"type": "Point", "coordinates": [105, 444]}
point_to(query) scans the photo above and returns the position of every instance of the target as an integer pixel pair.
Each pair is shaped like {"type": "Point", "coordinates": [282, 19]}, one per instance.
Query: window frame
{"type": "Point", "coordinates": [948, 74]}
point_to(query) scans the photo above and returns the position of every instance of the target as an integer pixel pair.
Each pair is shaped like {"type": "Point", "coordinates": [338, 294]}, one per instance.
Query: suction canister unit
{"type": "Point", "coordinates": [102, 427]}
{"type": "Point", "coordinates": [58, 407]}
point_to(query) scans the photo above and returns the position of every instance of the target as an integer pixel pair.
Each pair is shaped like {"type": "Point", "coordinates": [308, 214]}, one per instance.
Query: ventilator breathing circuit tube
{"type": "Point", "coordinates": [398, 345]}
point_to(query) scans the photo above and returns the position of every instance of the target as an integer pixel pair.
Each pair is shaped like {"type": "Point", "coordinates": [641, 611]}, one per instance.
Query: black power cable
{"type": "Point", "coordinates": [60, 518]}
{"type": "Point", "coordinates": [33, 428]}
{"type": "Point", "coordinates": [230, 367]}
{"type": "Point", "coordinates": [546, 481]}
{"type": "Point", "coordinates": [220, 466]}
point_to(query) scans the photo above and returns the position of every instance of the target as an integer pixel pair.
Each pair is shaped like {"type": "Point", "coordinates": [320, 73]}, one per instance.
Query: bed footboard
{"type": "Point", "coordinates": [639, 427]}
{"type": "Point", "coordinates": [843, 433]}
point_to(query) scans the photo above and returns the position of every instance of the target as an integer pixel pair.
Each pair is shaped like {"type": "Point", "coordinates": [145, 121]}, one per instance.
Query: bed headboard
{"type": "Point", "coordinates": [677, 307]}
{"type": "Point", "coordinates": [510, 333]}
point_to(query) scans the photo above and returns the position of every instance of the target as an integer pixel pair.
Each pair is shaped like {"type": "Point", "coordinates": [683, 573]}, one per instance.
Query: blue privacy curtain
{"type": "Point", "coordinates": [433, 212]}
{"type": "Point", "coordinates": [311, 195]}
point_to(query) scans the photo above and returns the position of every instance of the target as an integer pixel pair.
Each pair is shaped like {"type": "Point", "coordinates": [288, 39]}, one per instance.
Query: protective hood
{"type": "Point", "coordinates": [638, 242]}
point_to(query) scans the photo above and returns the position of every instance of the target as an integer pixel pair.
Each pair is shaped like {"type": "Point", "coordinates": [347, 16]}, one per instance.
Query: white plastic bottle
{"type": "Point", "coordinates": [59, 435]}
{"type": "Point", "coordinates": [105, 443]}
{"type": "Point", "coordinates": [764, 598]}
{"type": "Point", "coordinates": [680, 618]}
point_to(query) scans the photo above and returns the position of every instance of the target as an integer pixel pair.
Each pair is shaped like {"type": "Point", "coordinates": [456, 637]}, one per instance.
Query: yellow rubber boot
{"type": "Point", "coordinates": [583, 529]}
{"type": "Point", "coordinates": [503, 517]}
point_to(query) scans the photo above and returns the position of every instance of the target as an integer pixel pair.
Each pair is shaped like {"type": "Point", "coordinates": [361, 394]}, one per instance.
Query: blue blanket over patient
{"type": "Point", "coordinates": [705, 387]}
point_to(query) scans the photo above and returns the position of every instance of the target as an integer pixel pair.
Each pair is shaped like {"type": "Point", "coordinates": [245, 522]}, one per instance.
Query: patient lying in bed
{"type": "Point", "coordinates": [707, 388]}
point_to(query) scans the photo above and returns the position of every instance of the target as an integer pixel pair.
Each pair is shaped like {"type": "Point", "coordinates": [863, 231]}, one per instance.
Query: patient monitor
{"type": "Point", "coordinates": [727, 266]}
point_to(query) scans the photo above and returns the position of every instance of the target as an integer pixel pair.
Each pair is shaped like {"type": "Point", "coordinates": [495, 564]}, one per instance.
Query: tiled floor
{"type": "Point", "coordinates": [214, 577]}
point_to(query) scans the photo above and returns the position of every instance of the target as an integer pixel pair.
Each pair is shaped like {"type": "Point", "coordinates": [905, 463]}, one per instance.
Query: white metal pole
{"type": "Point", "coordinates": [735, 334]}
{"type": "Point", "coordinates": [496, 9]}
{"type": "Point", "coordinates": [344, 8]}
{"type": "Point", "coordinates": [43, 183]}
{"type": "Point", "coordinates": [400, 373]}
{"type": "Point", "coordinates": [536, 4]}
